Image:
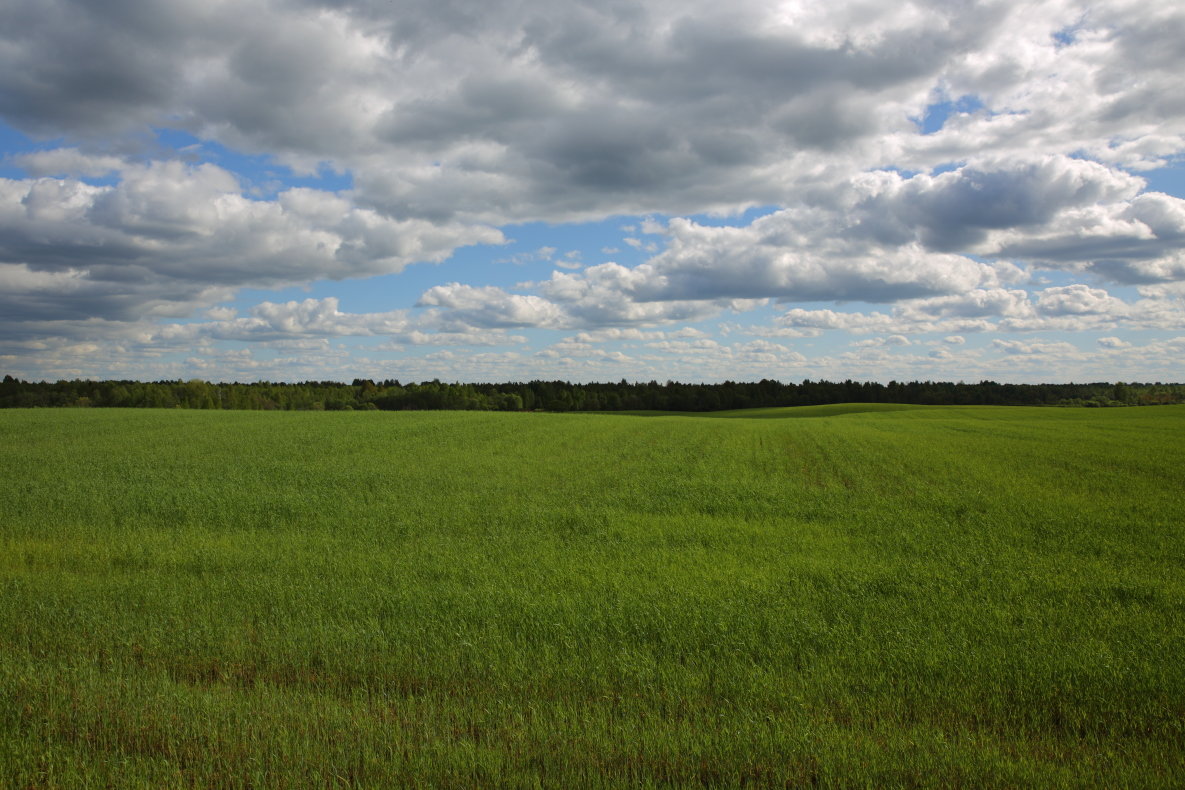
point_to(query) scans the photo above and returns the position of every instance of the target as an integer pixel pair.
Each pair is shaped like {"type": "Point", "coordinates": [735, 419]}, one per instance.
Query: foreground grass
{"type": "Point", "coordinates": [926, 597]}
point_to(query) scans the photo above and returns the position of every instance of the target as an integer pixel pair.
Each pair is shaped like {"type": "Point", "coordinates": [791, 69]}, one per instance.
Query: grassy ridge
{"type": "Point", "coordinates": [782, 412]}
{"type": "Point", "coordinates": [931, 597]}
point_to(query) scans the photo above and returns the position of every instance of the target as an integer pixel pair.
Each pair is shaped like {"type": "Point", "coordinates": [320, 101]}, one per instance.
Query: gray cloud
{"type": "Point", "coordinates": [888, 238]}
{"type": "Point", "coordinates": [514, 110]}
{"type": "Point", "coordinates": [169, 237]}
{"type": "Point", "coordinates": [955, 211]}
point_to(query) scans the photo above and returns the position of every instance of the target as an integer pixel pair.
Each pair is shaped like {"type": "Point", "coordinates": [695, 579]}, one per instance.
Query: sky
{"type": "Point", "coordinates": [506, 190]}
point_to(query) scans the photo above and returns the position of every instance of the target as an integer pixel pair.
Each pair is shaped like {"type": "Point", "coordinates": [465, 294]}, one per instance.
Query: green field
{"type": "Point", "coordinates": [976, 597]}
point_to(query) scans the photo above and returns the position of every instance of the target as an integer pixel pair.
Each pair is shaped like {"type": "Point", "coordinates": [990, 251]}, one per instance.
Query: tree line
{"type": "Point", "coordinates": [565, 396]}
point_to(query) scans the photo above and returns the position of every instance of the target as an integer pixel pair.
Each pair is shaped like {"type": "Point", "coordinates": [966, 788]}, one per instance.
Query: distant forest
{"type": "Point", "coordinates": [392, 395]}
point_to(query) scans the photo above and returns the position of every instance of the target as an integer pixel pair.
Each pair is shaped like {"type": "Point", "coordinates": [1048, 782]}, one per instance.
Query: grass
{"type": "Point", "coordinates": [826, 410]}
{"type": "Point", "coordinates": [782, 412]}
{"type": "Point", "coordinates": [978, 597]}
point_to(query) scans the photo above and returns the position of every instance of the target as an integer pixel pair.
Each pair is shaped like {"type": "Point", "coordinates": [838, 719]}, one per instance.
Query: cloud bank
{"type": "Point", "coordinates": [961, 169]}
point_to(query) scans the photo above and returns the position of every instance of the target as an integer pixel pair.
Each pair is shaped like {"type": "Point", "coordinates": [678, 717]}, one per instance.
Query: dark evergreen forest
{"type": "Point", "coordinates": [565, 396]}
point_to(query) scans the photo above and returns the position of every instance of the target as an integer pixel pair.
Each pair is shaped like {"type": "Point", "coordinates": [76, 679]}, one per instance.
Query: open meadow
{"type": "Point", "coordinates": [859, 596]}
